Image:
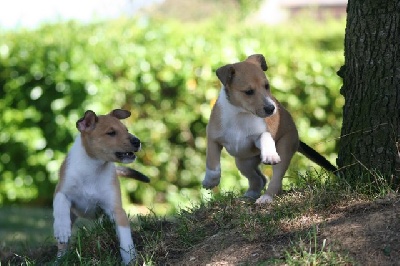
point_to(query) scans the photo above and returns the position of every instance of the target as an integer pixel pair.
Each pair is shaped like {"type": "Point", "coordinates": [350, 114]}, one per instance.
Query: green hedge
{"type": "Point", "coordinates": [164, 73]}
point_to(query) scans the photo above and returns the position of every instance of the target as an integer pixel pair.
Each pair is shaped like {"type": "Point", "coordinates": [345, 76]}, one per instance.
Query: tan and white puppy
{"type": "Point", "coordinates": [253, 127]}
{"type": "Point", "coordinates": [88, 178]}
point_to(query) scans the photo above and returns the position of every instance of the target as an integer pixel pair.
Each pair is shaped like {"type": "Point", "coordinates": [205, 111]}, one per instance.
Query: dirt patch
{"type": "Point", "coordinates": [368, 232]}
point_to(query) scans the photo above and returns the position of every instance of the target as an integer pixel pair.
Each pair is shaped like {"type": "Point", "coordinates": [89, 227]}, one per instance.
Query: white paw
{"type": "Point", "coordinates": [270, 158]}
{"type": "Point", "coordinates": [127, 247]}
{"type": "Point", "coordinates": [129, 257]}
{"type": "Point", "coordinates": [62, 249]}
{"type": "Point", "coordinates": [62, 231]}
{"type": "Point", "coordinates": [264, 199]}
{"type": "Point", "coordinates": [212, 178]}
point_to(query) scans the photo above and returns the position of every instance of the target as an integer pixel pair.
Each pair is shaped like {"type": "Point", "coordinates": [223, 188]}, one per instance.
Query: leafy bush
{"type": "Point", "coordinates": [163, 72]}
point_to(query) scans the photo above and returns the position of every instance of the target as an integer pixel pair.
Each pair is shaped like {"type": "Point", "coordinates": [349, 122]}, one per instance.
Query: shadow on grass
{"type": "Point", "coordinates": [22, 227]}
{"type": "Point", "coordinates": [26, 232]}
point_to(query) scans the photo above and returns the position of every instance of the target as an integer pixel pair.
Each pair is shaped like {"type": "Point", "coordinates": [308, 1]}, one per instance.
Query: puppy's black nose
{"type": "Point", "coordinates": [269, 109]}
{"type": "Point", "coordinates": [135, 142]}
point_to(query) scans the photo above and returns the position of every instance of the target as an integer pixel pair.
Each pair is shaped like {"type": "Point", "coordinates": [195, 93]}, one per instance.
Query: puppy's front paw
{"type": "Point", "coordinates": [62, 232]}
{"type": "Point", "coordinates": [62, 249]}
{"type": "Point", "coordinates": [212, 178]}
{"type": "Point", "coordinates": [270, 158]}
{"type": "Point", "coordinates": [264, 199]}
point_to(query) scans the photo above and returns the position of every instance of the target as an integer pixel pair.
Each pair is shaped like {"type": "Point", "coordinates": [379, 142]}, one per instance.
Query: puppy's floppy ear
{"type": "Point", "coordinates": [120, 114]}
{"type": "Point", "coordinates": [225, 74]}
{"type": "Point", "coordinates": [258, 59]}
{"type": "Point", "coordinates": [87, 122]}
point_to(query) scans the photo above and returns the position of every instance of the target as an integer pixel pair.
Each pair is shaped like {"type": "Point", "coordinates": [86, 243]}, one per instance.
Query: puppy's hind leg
{"type": "Point", "coordinates": [250, 169]}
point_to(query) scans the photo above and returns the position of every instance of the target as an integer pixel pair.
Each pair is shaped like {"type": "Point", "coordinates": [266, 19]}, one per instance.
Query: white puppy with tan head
{"type": "Point", "coordinates": [253, 127]}
{"type": "Point", "coordinates": [88, 178]}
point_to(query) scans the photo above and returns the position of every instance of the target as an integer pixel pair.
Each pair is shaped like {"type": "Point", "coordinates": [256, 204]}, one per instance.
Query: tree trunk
{"type": "Point", "coordinates": [371, 88]}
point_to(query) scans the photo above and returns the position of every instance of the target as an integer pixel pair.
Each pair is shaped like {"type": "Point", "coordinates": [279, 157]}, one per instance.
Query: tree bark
{"type": "Point", "coordinates": [371, 88]}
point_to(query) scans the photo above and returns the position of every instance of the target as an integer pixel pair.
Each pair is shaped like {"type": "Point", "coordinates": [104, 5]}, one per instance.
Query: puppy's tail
{"type": "Point", "coordinates": [317, 158]}
{"type": "Point", "coordinates": [131, 173]}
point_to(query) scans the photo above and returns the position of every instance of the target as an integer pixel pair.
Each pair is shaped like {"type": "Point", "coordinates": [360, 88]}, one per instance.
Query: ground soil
{"type": "Point", "coordinates": [368, 232]}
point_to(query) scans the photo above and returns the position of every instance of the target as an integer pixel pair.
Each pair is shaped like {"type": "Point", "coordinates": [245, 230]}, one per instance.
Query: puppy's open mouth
{"type": "Point", "coordinates": [125, 156]}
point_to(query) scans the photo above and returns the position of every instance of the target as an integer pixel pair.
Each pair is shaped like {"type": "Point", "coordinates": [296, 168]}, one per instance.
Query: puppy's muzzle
{"type": "Point", "coordinates": [129, 156]}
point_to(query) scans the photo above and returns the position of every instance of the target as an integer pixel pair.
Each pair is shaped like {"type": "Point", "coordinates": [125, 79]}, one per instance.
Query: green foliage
{"type": "Point", "coordinates": [163, 72]}
{"type": "Point", "coordinates": [248, 6]}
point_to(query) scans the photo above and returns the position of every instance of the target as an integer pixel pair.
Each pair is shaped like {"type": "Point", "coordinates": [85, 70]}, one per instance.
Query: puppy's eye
{"type": "Point", "coordinates": [249, 92]}
{"type": "Point", "coordinates": [267, 86]}
{"type": "Point", "coordinates": [112, 133]}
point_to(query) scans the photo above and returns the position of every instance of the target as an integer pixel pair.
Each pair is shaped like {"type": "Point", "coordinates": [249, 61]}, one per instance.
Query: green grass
{"type": "Point", "coordinates": [310, 250]}
{"type": "Point", "coordinates": [21, 226]}
{"type": "Point", "coordinates": [103, 248]}
{"type": "Point", "coordinates": [162, 239]}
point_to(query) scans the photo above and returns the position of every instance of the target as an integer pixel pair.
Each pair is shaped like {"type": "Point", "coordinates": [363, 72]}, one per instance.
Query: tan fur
{"type": "Point", "coordinates": [61, 175]}
{"type": "Point", "coordinates": [281, 123]}
{"type": "Point", "coordinates": [120, 215]}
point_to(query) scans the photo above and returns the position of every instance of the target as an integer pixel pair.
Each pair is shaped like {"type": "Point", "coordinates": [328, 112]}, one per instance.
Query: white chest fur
{"type": "Point", "coordinates": [240, 129]}
{"type": "Point", "coordinates": [88, 182]}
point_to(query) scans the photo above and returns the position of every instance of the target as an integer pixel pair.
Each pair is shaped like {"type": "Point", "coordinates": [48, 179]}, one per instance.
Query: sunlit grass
{"type": "Point", "coordinates": [310, 250]}
{"type": "Point", "coordinates": [298, 212]}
